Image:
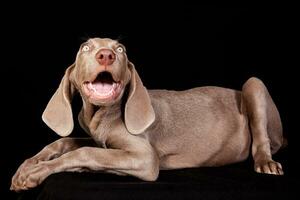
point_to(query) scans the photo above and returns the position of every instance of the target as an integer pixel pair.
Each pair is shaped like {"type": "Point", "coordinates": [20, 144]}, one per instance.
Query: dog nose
{"type": "Point", "coordinates": [105, 57]}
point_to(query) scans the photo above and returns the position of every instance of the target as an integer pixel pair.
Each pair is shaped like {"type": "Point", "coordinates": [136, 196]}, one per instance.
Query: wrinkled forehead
{"type": "Point", "coordinates": [103, 42]}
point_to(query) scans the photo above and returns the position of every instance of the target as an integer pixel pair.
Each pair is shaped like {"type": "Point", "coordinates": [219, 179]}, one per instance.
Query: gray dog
{"type": "Point", "coordinates": [135, 131]}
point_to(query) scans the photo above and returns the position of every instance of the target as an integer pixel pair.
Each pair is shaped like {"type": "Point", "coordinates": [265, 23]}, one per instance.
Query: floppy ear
{"type": "Point", "coordinates": [139, 113]}
{"type": "Point", "coordinates": [58, 113]}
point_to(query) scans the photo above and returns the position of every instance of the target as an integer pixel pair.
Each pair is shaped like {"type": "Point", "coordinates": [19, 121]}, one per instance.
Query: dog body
{"type": "Point", "coordinates": [206, 123]}
{"type": "Point", "coordinates": [137, 132]}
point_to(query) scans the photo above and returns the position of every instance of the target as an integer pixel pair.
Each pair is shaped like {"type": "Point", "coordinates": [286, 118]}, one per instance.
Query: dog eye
{"type": "Point", "coordinates": [85, 48]}
{"type": "Point", "coordinates": [120, 49]}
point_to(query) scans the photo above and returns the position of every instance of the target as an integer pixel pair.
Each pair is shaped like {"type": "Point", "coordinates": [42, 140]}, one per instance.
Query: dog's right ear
{"type": "Point", "coordinates": [58, 113]}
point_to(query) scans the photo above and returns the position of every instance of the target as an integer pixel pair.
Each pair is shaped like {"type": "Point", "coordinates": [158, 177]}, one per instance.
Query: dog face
{"type": "Point", "coordinates": [101, 71]}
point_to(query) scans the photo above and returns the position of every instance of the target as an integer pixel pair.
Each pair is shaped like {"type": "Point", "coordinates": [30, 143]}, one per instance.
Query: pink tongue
{"type": "Point", "coordinates": [102, 88]}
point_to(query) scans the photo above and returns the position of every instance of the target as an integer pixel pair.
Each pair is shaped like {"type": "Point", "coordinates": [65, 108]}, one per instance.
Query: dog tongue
{"type": "Point", "coordinates": [102, 88]}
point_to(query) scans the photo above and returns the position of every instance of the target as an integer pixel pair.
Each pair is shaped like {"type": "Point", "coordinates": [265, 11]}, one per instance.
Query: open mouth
{"type": "Point", "coordinates": [104, 87]}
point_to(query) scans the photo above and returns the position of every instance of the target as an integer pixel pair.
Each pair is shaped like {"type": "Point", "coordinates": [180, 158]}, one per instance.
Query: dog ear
{"type": "Point", "coordinates": [139, 113]}
{"type": "Point", "coordinates": [58, 113]}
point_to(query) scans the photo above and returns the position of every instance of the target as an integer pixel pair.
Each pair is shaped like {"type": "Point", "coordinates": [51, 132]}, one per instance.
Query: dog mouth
{"type": "Point", "coordinates": [104, 87]}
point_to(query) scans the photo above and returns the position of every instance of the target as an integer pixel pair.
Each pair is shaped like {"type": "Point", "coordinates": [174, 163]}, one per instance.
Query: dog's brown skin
{"type": "Point", "coordinates": [138, 132]}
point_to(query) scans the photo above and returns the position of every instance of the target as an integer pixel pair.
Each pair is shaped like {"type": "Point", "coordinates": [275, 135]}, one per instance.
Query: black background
{"type": "Point", "coordinates": [176, 46]}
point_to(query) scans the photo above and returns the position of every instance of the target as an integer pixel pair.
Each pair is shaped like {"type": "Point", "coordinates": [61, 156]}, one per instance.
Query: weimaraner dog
{"type": "Point", "coordinates": [135, 131]}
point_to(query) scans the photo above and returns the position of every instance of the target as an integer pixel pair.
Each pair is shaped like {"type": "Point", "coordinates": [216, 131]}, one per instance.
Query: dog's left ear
{"type": "Point", "coordinates": [139, 113]}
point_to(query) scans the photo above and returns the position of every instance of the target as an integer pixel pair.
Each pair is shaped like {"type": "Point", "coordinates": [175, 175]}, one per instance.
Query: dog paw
{"type": "Point", "coordinates": [268, 167]}
{"type": "Point", "coordinates": [29, 176]}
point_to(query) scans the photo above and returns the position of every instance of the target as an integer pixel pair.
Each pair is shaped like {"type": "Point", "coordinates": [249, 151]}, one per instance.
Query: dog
{"type": "Point", "coordinates": [135, 131]}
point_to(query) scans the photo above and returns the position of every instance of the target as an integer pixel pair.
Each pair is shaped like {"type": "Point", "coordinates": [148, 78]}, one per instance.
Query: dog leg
{"type": "Point", "coordinates": [265, 126]}
{"type": "Point", "coordinates": [50, 152]}
{"type": "Point", "coordinates": [142, 165]}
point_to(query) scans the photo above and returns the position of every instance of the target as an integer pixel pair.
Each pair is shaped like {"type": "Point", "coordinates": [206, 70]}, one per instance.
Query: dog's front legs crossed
{"type": "Point", "coordinates": [69, 154]}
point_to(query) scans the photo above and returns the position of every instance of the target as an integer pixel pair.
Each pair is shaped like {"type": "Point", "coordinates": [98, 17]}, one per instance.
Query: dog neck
{"type": "Point", "coordinates": [99, 120]}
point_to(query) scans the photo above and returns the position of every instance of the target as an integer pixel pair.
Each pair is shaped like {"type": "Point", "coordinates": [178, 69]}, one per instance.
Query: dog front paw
{"type": "Point", "coordinates": [268, 167]}
{"type": "Point", "coordinates": [29, 175]}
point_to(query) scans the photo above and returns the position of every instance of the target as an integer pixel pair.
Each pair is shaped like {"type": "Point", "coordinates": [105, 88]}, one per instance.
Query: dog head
{"type": "Point", "coordinates": [101, 74]}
